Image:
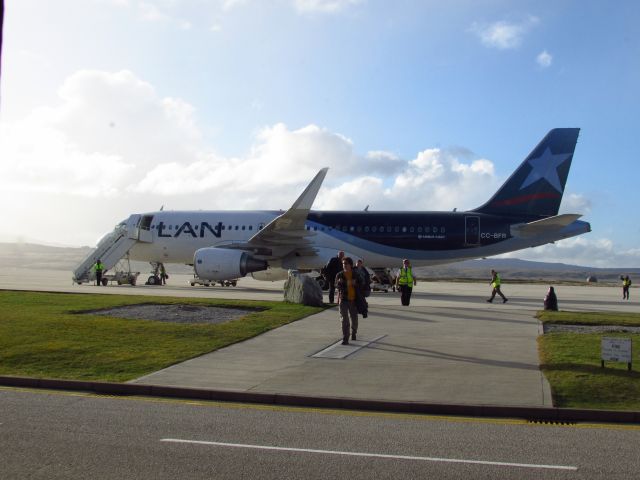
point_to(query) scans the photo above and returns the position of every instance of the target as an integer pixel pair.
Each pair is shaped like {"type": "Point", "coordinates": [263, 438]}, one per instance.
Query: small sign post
{"type": "Point", "coordinates": [616, 350]}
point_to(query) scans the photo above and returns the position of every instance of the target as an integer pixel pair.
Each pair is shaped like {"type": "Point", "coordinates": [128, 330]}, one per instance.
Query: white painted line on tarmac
{"type": "Point", "coordinates": [373, 455]}
{"type": "Point", "coordinates": [339, 351]}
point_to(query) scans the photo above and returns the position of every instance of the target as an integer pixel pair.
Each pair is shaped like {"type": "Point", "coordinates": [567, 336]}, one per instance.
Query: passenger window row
{"type": "Point", "coordinates": [384, 228]}
{"type": "Point", "coordinates": [343, 228]}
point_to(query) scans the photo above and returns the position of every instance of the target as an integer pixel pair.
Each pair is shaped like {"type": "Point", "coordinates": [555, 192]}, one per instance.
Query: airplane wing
{"type": "Point", "coordinates": [546, 225]}
{"type": "Point", "coordinates": [286, 233]}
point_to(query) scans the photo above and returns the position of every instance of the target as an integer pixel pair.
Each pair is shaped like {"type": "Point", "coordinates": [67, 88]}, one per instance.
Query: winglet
{"type": "Point", "coordinates": [306, 199]}
{"type": "Point", "coordinates": [289, 227]}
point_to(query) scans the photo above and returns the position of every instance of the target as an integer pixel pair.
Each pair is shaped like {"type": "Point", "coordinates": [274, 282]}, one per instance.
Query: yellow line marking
{"type": "Point", "coordinates": [327, 411]}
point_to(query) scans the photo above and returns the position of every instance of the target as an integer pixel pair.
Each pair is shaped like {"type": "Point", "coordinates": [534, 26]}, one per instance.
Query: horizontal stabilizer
{"type": "Point", "coordinates": [543, 226]}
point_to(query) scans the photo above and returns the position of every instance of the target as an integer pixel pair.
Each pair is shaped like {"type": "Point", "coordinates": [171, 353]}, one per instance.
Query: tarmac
{"type": "Point", "coordinates": [448, 347]}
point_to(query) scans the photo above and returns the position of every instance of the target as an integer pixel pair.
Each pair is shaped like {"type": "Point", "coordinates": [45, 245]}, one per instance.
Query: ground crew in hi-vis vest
{"type": "Point", "coordinates": [405, 282]}
{"type": "Point", "coordinates": [626, 283]}
{"type": "Point", "coordinates": [495, 283]}
{"type": "Point", "coordinates": [99, 268]}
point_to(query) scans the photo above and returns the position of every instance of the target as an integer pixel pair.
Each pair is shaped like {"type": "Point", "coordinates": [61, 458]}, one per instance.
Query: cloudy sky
{"type": "Point", "coordinates": [113, 107]}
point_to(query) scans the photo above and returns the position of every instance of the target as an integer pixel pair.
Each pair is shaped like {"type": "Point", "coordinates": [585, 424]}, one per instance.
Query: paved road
{"type": "Point", "coordinates": [75, 436]}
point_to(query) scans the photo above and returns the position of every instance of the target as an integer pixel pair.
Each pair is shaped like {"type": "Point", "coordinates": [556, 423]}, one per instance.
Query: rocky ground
{"type": "Point", "coordinates": [174, 313]}
{"type": "Point", "coordinates": [555, 328]}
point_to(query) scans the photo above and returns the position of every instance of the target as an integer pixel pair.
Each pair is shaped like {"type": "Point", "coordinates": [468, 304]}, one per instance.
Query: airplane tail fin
{"type": "Point", "coordinates": [535, 189]}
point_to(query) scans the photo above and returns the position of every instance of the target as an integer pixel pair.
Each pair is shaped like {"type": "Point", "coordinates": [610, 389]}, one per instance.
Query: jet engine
{"type": "Point", "coordinates": [225, 264]}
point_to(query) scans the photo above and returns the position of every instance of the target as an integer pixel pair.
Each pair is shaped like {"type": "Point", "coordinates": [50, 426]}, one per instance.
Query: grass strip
{"type": "Point", "coordinates": [571, 363]}
{"type": "Point", "coordinates": [41, 336]}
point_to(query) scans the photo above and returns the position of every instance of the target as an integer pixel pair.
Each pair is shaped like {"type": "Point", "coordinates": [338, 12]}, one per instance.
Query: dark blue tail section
{"type": "Point", "coordinates": [535, 189]}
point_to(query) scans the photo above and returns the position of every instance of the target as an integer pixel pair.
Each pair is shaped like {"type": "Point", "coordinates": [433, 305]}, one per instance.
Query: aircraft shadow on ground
{"type": "Point", "coordinates": [446, 297]}
{"type": "Point", "coordinates": [448, 314]}
{"type": "Point", "coordinates": [486, 318]}
{"type": "Point", "coordinates": [401, 316]}
{"type": "Point", "coordinates": [424, 352]}
{"type": "Point", "coordinates": [479, 300]}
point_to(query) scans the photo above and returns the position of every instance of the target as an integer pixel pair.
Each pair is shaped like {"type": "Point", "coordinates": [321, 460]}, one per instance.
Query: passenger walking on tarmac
{"type": "Point", "coordinates": [626, 283]}
{"type": "Point", "coordinates": [495, 283]}
{"type": "Point", "coordinates": [349, 286]}
{"type": "Point", "coordinates": [333, 267]}
{"type": "Point", "coordinates": [365, 288]}
{"type": "Point", "coordinates": [551, 301]}
{"type": "Point", "coordinates": [163, 275]}
{"type": "Point", "coordinates": [405, 282]}
{"type": "Point", "coordinates": [99, 269]}
{"type": "Point", "coordinates": [365, 277]}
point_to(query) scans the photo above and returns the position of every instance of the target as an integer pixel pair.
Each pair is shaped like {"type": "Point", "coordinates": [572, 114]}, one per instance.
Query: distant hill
{"type": "Point", "coordinates": [513, 268]}
{"type": "Point", "coordinates": [31, 255]}
{"type": "Point", "coordinates": [34, 256]}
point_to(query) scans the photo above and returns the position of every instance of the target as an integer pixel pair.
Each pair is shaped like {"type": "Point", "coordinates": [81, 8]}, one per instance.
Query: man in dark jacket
{"type": "Point", "coordinates": [333, 267]}
{"type": "Point", "coordinates": [349, 286]}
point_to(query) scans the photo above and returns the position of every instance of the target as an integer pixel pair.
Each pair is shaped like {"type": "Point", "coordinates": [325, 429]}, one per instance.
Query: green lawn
{"type": "Point", "coordinates": [571, 363]}
{"type": "Point", "coordinates": [42, 335]}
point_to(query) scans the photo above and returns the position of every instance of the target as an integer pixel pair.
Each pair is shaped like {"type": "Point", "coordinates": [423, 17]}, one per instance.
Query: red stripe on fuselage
{"type": "Point", "coordinates": [525, 199]}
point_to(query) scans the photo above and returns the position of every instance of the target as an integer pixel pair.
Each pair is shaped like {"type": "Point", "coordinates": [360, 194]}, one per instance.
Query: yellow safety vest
{"type": "Point", "coordinates": [626, 283]}
{"type": "Point", "coordinates": [405, 277]}
{"type": "Point", "coordinates": [496, 282]}
{"type": "Point", "coordinates": [99, 267]}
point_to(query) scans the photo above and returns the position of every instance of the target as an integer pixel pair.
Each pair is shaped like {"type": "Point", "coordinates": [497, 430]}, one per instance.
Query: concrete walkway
{"type": "Point", "coordinates": [438, 351]}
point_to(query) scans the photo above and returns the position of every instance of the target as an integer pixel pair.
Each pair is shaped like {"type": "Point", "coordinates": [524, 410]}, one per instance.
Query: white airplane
{"type": "Point", "coordinates": [223, 245]}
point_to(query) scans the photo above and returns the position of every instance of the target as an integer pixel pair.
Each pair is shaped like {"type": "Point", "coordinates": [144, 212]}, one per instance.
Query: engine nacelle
{"type": "Point", "coordinates": [271, 274]}
{"type": "Point", "coordinates": [225, 264]}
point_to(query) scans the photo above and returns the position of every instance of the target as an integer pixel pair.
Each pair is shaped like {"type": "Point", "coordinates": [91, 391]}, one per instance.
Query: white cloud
{"type": "Point", "coordinates": [582, 250]}
{"type": "Point", "coordinates": [53, 164]}
{"type": "Point", "coordinates": [118, 3]}
{"type": "Point", "coordinates": [149, 12]}
{"type": "Point", "coordinates": [154, 11]}
{"type": "Point", "coordinates": [575, 203]}
{"type": "Point", "coordinates": [161, 11]}
{"type": "Point", "coordinates": [544, 59]}
{"type": "Point", "coordinates": [231, 4]}
{"type": "Point", "coordinates": [385, 163]}
{"type": "Point", "coordinates": [503, 35]}
{"type": "Point", "coordinates": [436, 179]}
{"type": "Point", "coordinates": [107, 128]}
{"type": "Point", "coordinates": [323, 6]}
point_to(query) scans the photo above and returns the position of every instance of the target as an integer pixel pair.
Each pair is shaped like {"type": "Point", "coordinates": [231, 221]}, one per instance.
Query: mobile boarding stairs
{"type": "Point", "coordinates": [113, 251]}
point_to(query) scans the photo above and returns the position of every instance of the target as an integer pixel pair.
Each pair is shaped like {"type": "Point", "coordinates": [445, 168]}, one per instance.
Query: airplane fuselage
{"type": "Point", "coordinates": [381, 238]}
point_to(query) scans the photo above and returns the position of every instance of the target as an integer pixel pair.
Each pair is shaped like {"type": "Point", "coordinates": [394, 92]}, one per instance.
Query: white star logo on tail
{"type": "Point", "coordinates": [546, 166]}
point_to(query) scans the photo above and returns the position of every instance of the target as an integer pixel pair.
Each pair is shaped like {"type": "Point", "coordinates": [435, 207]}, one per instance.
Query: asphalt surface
{"type": "Point", "coordinates": [58, 435]}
